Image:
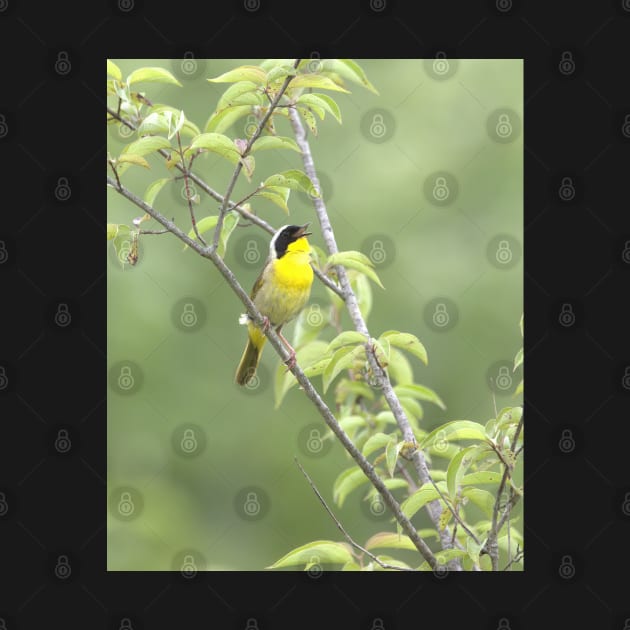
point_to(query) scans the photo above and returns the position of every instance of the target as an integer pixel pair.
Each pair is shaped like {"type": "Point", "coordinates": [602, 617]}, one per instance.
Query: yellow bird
{"type": "Point", "coordinates": [280, 292]}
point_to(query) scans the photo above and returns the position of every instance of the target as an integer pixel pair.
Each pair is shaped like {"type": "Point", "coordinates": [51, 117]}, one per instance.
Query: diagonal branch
{"type": "Point", "coordinates": [352, 305]}
{"type": "Point", "coordinates": [307, 386]}
{"type": "Point", "coordinates": [347, 536]}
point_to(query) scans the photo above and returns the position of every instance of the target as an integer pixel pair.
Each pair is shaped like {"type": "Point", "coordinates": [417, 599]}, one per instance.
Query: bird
{"type": "Point", "coordinates": [279, 293]}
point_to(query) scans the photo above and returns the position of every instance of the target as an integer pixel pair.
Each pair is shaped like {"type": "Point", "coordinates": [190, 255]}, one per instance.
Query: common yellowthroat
{"type": "Point", "coordinates": [280, 292]}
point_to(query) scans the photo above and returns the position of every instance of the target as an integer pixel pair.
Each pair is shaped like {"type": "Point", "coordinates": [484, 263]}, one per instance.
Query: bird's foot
{"type": "Point", "coordinates": [290, 362]}
{"type": "Point", "coordinates": [266, 324]}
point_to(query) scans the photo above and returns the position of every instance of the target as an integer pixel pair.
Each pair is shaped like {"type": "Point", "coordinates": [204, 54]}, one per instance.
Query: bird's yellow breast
{"type": "Point", "coordinates": [286, 284]}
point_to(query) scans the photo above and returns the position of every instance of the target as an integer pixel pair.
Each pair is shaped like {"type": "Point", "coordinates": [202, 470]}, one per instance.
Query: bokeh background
{"type": "Point", "coordinates": [427, 179]}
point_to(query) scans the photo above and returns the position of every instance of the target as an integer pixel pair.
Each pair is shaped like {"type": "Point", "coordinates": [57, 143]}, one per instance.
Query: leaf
{"type": "Point", "coordinates": [419, 392]}
{"type": "Point", "coordinates": [309, 119]}
{"type": "Point", "coordinates": [518, 359]}
{"type": "Point", "coordinates": [147, 145]}
{"type": "Point", "coordinates": [306, 356]}
{"type": "Point", "coordinates": [392, 451]}
{"type": "Point", "coordinates": [113, 70]}
{"type": "Point", "coordinates": [399, 367]}
{"type": "Point", "coordinates": [275, 142]}
{"type": "Point", "coordinates": [419, 499]}
{"type": "Point", "coordinates": [363, 291]}
{"type": "Point", "coordinates": [233, 92]}
{"type": "Point", "coordinates": [519, 389]}
{"type": "Point", "coordinates": [456, 469]}
{"type": "Point", "coordinates": [154, 75]}
{"type": "Point", "coordinates": [315, 81]}
{"type": "Point", "coordinates": [217, 143]}
{"type": "Point", "coordinates": [392, 484]}
{"type": "Point", "coordinates": [481, 477]}
{"type": "Point", "coordinates": [341, 360]}
{"type": "Point", "coordinates": [483, 499]}
{"type": "Point", "coordinates": [203, 225]}
{"type": "Point", "coordinates": [277, 195]}
{"type": "Point", "coordinates": [174, 129]}
{"type": "Point", "coordinates": [508, 416]}
{"type": "Point", "coordinates": [456, 430]}
{"type": "Point", "coordinates": [346, 482]}
{"type": "Point", "coordinates": [322, 101]}
{"type": "Point", "coordinates": [345, 338]}
{"type": "Point", "coordinates": [280, 72]}
{"type": "Point", "coordinates": [293, 179]}
{"type": "Point", "coordinates": [242, 73]}
{"type": "Point", "coordinates": [220, 121]}
{"type": "Point", "coordinates": [350, 69]}
{"type": "Point", "coordinates": [407, 342]}
{"type": "Point", "coordinates": [154, 123]}
{"type": "Point", "coordinates": [326, 552]}
{"type": "Point", "coordinates": [376, 442]}
{"type": "Point", "coordinates": [230, 221]}
{"type": "Point", "coordinates": [153, 189]}
{"type": "Point", "coordinates": [249, 164]}
{"type": "Point", "coordinates": [188, 128]}
{"type": "Point", "coordinates": [355, 260]}
{"type": "Point", "coordinates": [133, 158]}
{"type": "Point", "coordinates": [520, 324]}
{"type": "Point", "coordinates": [443, 557]}
{"type": "Point", "coordinates": [112, 230]}
{"type": "Point", "coordinates": [390, 540]}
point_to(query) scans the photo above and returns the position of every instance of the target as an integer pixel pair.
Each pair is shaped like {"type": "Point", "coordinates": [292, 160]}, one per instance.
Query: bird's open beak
{"type": "Point", "coordinates": [302, 231]}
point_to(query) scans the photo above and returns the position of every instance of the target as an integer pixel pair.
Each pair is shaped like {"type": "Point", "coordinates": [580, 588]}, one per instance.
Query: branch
{"type": "Point", "coordinates": [256, 220]}
{"type": "Point", "coordinates": [491, 543]}
{"type": "Point", "coordinates": [245, 153]}
{"type": "Point", "coordinates": [193, 219]}
{"type": "Point", "coordinates": [307, 386]}
{"type": "Point", "coordinates": [347, 536]}
{"type": "Point", "coordinates": [352, 305]}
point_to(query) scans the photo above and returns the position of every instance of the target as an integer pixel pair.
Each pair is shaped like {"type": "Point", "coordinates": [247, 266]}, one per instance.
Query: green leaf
{"type": "Point", "coordinates": [407, 342]}
{"type": "Point", "coordinates": [220, 121]}
{"type": "Point", "coordinates": [275, 142]}
{"type": "Point", "coordinates": [349, 480]}
{"type": "Point", "coordinates": [147, 145]}
{"type": "Point", "coordinates": [217, 143]}
{"type": "Point", "coordinates": [363, 291]}
{"type": "Point", "coordinates": [389, 540]}
{"type": "Point", "coordinates": [481, 477]}
{"type": "Point", "coordinates": [280, 72]}
{"type": "Point", "coordinates": [154, 75]}
{"type": "Point", "coordinates": [293, 179]}
{"type": "Point", "coordinates": [419, 499]}
{"type": "Point", "coordinates": [176, 128]}
{"type": "Point", "coordinates": [308, 355]}
{"type": "Point", "coordinates": [277, 195]}
{"type": "Point", "coordinates": [188, 128]}
{"type": "Point", "coordinates": [376, 442]}
{"type": "Point", "coordinates": [346, 338]}
{"type": "Point", "coordinates": [254, 74]}
{"type": "Point", "coordinates": [483, 499]}
{"type": "Point", "coordinates": [350, 423]}
{"type": "Point", "coordinates": [325, 551]}
{"type": "Point", "coordinates": [313, 108]}
{"type": "Point", "coordinates": [154, 123]}
{"type": "Point", "coordinates": [420, 392]}
{"type": "Point", "coordinates": [234, 92]}
{"type": "Point", "coordinates": [456, 430]}
{"type": "Point", "coordinates": [230, 221]}
{"type": "Point", "coordinates": [322, 101]}
{"type": "Point", "coordinates": [113, 70]}
{"type": "Point", "coordinates": [519, 389]}
{"type": "Point", "coordinates": [518, 359]}
{"type": "Point", "coordinates": [203, 225]}
{"type": "Point", "coordinates": [456, 469]}
{"type": "Point", "coordinates": [474, 549]}
{"type": "Point", "coordinates": [392, 451]}
{"type": "Point", "coordinates": [350, 69]}
{"type": "Point", "coordinates": [355, 260]}
{"type": "Point", "coordinates": [341, 360]}
{"type": "Point", "coordinates": [315, 81]}
{"type": "Point", "coordinates": [153, 189]}
{"type": "Point", "coordinates": [520, 324]}
{"type": "Point", "coordinates": [133, 158]}
{"type": "Point", "coordinates": [309, 119]}
{"type": "Point", "coordinates": [412, 407]}
{"type": "Point", "coordinates": [508, 416]}
{"type": "Point", "coordinates": [399, 367]}
{"type": "Point", "coordinates": [112, 230]}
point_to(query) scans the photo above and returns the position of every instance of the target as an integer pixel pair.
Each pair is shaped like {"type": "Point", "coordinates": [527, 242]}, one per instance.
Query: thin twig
{"type": "Point", "coordinates": [115, 170]}
{"type": "Point", "coordinates": [352, 305]}
{"type": "Point", "coordinates": [305, 383]}
{"type": "Point", "coordinates": [193, 219]}
{"type": "Point", "coordinates": [347, 536]}
{"type": "Point", "coordinates": [246, 214]}
{"type": "Point", "coordinates": [261, 125]}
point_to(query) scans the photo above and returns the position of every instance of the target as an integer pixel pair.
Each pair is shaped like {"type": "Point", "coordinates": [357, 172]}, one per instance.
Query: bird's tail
{"type": "Point", "coordinates": [251, 356]}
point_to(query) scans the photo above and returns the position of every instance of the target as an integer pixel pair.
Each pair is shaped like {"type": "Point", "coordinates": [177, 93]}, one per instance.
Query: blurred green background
{"type": "Point", "coordinates": [427, 179]}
